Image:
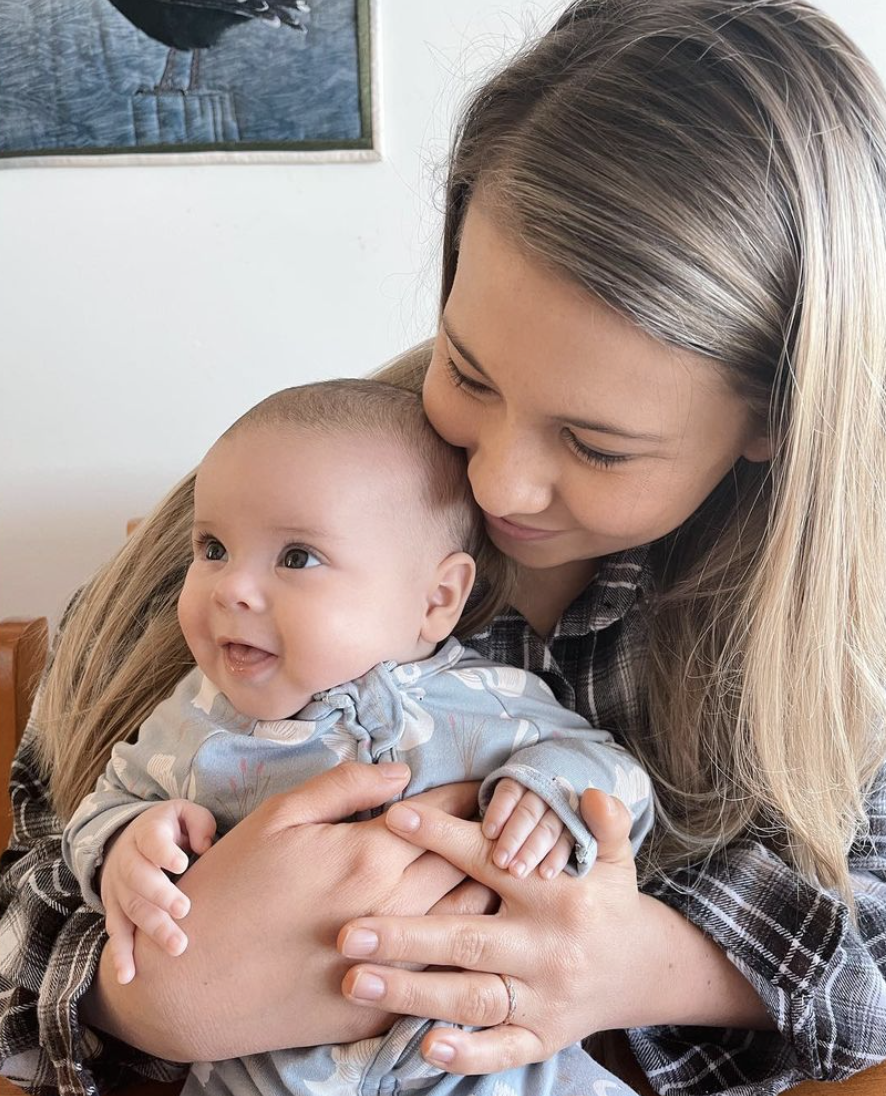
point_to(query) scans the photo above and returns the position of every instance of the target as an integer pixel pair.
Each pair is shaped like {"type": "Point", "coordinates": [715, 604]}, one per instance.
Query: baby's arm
{"type": "Point", "coordinates": [134, 887]}
{"type": "Point", "coordinates": [154, 769]}
{"type": "Point", "coordinates": [531, 803]}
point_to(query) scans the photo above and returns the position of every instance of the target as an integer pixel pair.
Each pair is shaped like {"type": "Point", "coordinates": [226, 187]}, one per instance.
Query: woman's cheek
{"type": "Point", "coordinates": [445, 408]}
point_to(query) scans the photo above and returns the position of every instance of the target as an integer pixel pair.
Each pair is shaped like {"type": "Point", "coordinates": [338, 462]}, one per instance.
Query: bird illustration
{"type": "Point", "coordinates": [198, 24]}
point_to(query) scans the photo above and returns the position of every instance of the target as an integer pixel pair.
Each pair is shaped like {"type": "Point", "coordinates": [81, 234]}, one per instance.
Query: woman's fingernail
{"type": "Point", "coordinates": [403, 818]}
{"type": "Point", "coordinates": [518, 868]}
{"type": "Point", "coordinates": [359, 943]}
{"type": "Point", "coordinates": [394, 770]}
{"type": "Point", "coordinates": [501, 858]}
{"type": "Point", "coordinates": [442, 1053]}
{"type": "Point", "coordinates": [368, 987]}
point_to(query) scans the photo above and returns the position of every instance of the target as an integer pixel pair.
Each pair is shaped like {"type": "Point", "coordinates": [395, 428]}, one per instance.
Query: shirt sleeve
{"type": "Point", "coordinates": [155, 768]}
{"type": "Point", "coordinates": [820, 976]}
{"type": "Point", "coordinates": [50, 944]}
{"type": "Point", "coordinates": [562, 755]}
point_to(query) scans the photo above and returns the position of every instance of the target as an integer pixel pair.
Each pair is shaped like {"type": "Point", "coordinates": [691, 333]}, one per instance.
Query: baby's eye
{"type": "Point", "coordinates": [213, 550]}
{"type": "Point", "coordinates": [296, 559]}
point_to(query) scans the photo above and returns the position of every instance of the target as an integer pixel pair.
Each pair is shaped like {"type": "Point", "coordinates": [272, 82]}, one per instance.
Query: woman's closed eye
{"type": "Point", "coordinates": [583, 452]}
{"type": "Point", "coordinates": [461, 380]}
{"type": "Point", "coordinates": [298, 558]}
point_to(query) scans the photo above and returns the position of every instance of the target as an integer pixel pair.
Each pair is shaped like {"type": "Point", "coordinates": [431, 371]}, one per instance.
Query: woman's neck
{"type": "Point", "coordinates": [542, 596]}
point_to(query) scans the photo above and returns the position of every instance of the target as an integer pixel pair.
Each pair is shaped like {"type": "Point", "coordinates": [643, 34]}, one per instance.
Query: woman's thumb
{"type": "Point", "coordinates": [609, 821]}
{"type": "Point", "coordinates": [342, 792]}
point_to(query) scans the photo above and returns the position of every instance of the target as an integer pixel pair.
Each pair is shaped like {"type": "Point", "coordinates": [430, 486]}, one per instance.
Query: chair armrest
{"type": "Point", "coordinates": [24, 646]}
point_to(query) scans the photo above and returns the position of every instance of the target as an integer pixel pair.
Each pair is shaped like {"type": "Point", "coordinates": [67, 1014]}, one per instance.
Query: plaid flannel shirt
{"type": "Point", "coordinates": [821, 978]}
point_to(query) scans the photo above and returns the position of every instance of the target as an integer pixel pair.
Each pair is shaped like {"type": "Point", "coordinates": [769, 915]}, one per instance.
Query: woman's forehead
{"type": "Point", "coordinates": [525, 326]}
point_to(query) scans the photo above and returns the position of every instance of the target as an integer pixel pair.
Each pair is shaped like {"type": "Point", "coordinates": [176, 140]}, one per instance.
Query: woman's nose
{"type": "Point", "coordinates": [511, 475]}
{"type": "Point", "coordinates": [240, 588]}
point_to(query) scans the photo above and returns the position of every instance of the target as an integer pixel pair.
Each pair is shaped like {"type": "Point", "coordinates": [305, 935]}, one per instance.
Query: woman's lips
{"type": "Point", "coordinates": [243, 659]}
{"type": "Point", "coordinates": [518, 532]}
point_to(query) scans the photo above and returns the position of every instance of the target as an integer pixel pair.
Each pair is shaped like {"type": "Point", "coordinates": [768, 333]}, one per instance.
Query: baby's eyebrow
{"type": "Point", "coordinates": [305, 532]}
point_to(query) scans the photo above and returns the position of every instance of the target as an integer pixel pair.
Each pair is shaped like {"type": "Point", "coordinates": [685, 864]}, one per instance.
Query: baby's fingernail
{"type": "Point", "coordinates": [359, 943]}
{"type": "Point", "coordinates": [501, 857]}
{"type": "Point", "coordinates": [181, 864]}
{"type": "Point", "coordinates": [368, 987]}
{"type": "Point", "coordinates": [180, 907]}
{"type": "Point", "coordinates": [442, 1053]}
{"type": "Point", "coordinates": [124, 977]}
{"type": "Point", "coordinates": [177, 944]}
{"type": "Point", "coordinates": [518, 868]}
{"type": "Point", "coordinates": [403, 818]}
{"type": "Point", "coordinates": [490, 830]}
{"type": "Point", "coordinates": [547, 873]}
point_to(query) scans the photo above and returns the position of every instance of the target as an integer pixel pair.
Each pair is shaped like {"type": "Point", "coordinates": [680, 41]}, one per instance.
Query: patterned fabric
{"type": "Point", "coordinates": [822, 978]}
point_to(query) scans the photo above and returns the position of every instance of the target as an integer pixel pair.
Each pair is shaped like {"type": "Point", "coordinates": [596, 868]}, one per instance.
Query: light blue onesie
{"type": "Point", "coordinates": [454, 716]}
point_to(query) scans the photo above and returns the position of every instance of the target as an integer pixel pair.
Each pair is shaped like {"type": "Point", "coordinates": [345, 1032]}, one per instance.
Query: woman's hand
{"type": "Point", "coordinates": [578, 952]}
{"type": "Point", "coordinates": [261, 970]}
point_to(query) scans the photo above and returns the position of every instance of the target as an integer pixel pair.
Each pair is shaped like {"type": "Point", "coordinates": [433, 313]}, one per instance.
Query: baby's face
{"type": "Point", "coordinates": [309, 565]}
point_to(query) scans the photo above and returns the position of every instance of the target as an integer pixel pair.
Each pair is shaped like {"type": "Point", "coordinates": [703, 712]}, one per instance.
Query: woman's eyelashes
{"type": "Point", "coordinates": [460, 380]}
{"type": "Point", "coordinates": [583, 452]}
{"type": "Point", "coordinates": [592, 456]}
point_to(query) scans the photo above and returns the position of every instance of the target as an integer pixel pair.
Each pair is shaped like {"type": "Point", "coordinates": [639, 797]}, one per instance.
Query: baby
{"type": "Point", "coordinates": [333, 532]}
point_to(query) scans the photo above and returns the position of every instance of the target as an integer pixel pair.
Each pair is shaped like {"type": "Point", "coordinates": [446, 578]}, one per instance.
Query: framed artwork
{"type": "Point", "coordinates": [158, 81]}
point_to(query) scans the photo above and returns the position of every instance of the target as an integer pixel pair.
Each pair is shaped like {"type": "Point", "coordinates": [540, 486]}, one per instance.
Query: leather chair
{"type": "Point", "coordinates": [23, 647]}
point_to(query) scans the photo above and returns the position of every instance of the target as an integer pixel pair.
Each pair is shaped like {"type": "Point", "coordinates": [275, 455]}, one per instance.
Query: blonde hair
{"type": "Point", "coordinates": [120, 649]}
{"type": "Point", "coordinates": [708, 168]}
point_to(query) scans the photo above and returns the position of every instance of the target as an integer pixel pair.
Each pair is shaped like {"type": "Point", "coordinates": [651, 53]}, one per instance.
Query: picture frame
{"type": "Point", "coordinates": [121, 82]}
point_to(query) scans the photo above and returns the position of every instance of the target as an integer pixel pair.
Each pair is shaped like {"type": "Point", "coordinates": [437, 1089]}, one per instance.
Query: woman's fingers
{"type": "Point", "coordinates": [609, 821]}
{"type": "Point", "coordinates": [476, 943]}
{"type": "Point", "coordinates": [458, 841]}
{"type": "Point", "coordinates": [480, 1000]}
{"type": "Point", "coordinates": [458, 799]}
{"type": "Point", "coordinates": [480, 1052]}
{"type": "Point", "coordinates": [467, 898]}
{"type": "Point", "coordinates": [339, 793]}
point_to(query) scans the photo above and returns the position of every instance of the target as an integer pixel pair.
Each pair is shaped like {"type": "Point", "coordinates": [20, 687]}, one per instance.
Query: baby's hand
{"type": "Point", "coordinates": [134, 890]}
{"type": "Point", "coordinates": [528, 832]}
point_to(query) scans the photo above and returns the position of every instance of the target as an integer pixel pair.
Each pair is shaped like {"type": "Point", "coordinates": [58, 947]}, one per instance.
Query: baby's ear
{"type": "Point", "coordinates": [452, 582]}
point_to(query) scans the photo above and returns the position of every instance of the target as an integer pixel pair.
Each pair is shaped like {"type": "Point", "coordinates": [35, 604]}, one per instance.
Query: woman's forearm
{"type": "Point", "coordinates": [694, 982]}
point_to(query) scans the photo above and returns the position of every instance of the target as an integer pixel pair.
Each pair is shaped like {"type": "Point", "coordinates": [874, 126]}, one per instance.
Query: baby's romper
{"type": "Point", "coordinates": [452, 717]}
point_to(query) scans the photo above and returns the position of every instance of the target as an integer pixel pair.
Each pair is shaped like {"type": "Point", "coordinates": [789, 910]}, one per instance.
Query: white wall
{"type": "Point", "coordinates": [142, 309]}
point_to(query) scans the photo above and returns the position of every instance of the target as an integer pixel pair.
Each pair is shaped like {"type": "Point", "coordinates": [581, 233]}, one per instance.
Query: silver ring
{"type": "Point", "coordinates": [512, 999]}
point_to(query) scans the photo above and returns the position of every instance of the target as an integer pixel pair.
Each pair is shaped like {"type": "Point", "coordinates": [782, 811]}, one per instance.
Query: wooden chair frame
{"type": "Point", "coordinates": [23, 650]}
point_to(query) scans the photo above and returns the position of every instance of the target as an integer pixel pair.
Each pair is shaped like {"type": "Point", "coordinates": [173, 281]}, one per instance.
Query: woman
{"type": "Point", "coordinates": [663, 349]}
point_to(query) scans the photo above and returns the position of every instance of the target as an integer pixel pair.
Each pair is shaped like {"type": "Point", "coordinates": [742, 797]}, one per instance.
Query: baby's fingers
{"type": "Point", "coordinates": [538, 844]}
{"type": "Point", "coordinates": [156, 844]}
{"type": "Point", "coordinates": [505, 797]}
{"type": "Point", "coordinates": [121, 943]}
{"type": "Point", "coordinates": [198, 826]}
{"type": "Point", "coordinates": [154, 922]}
{"type": "Point", "coordinates": [526, 816]}
{"type": "Point", "coordinates": [558, 857]}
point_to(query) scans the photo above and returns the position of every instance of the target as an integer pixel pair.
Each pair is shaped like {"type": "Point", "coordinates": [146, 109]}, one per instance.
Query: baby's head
{"type": "Point", "coordinates": [333, 530]}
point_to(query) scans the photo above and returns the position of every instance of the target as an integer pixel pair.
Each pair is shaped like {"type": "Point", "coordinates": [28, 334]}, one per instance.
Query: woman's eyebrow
{"type": "Point", "coordinates": [569, 420]}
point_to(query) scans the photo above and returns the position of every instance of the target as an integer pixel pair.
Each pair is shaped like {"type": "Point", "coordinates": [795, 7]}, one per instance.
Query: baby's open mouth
{"type": "Point", "coordinates": [241, 657]}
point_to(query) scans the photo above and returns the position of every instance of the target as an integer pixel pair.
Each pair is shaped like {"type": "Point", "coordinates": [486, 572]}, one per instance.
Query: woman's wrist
{"type": "Point", "coordinates": [690, 978]}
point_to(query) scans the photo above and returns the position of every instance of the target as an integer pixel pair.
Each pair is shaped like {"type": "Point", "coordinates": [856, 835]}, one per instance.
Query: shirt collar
{"type": "Point", "coordinates": [621, 580]}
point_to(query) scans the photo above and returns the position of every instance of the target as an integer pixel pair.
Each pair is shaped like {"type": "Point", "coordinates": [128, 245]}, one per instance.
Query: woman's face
{"type": "Point", "coordinates": [584, 435]}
